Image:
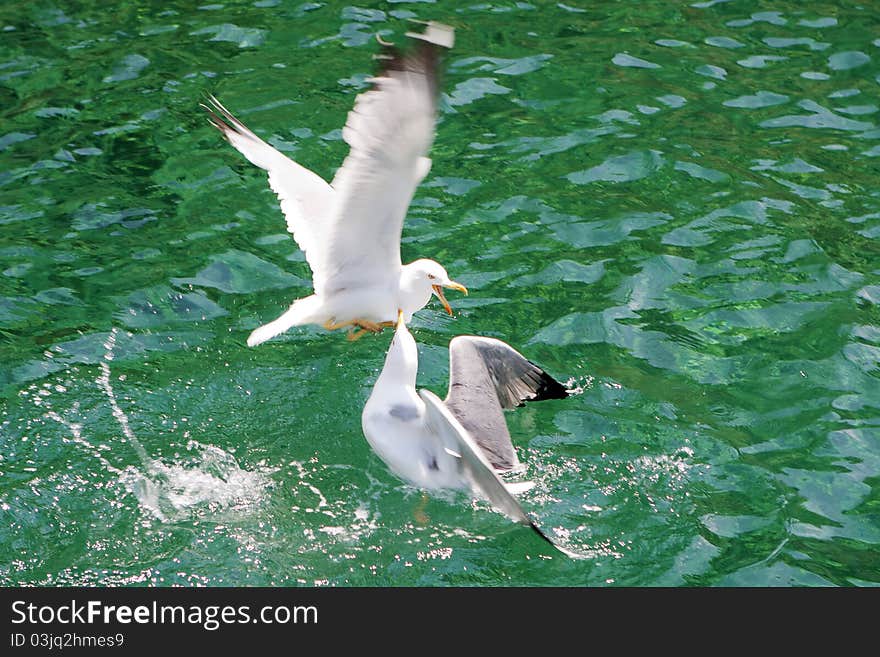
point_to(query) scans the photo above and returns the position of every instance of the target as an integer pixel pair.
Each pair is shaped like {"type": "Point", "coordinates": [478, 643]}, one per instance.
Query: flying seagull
{"type": "Point", "coordinates": [350, 229]}
{"type": "Point", "coordinates": [462, 442]}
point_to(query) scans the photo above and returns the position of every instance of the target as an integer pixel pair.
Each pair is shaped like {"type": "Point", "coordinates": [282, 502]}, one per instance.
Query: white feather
{"type": "Point", "coordinates": [306, 199]}
{"type": "Point", "coordinates": [350, 229]}
{"type": "Point", "coordinates": [390, 130]}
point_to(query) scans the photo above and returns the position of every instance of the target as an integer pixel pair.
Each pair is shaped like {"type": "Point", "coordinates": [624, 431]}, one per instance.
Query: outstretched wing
{"type": "Point", "coordinates": [390, 130]}
{"type": "Point", "coordinates": [486, 376]}
{"type": "Point", "coordinates": [478, 470]}
{"type": "Point", "coordinates": [306, 198]}
{"type": "Point", "coordinates": [474, 464]}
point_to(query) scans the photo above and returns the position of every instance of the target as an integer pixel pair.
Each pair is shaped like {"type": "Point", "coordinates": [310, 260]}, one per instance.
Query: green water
{"type": "Point", "coordinates": [672, 206]}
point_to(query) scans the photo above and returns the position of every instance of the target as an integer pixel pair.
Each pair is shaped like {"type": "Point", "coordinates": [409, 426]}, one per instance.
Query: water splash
{"type": "Point", "coordinates": [346, 525]}
{"type": "Point", "coordinates": [211, 481]}
{"type": "Point", "coordinates": [118, 413]}
{"type": "Point", "coordinates": [77, 437]}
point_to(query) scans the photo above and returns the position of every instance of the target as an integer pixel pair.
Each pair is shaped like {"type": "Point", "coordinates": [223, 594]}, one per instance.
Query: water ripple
{"type": "Point", "coordinates": [672, 209]}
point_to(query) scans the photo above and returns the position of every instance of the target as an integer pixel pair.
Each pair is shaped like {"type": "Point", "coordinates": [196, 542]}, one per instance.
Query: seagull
{"type": "Point", "coordinates": [461, 442]}
{"type": "Point", "coordinates": [350, 229]}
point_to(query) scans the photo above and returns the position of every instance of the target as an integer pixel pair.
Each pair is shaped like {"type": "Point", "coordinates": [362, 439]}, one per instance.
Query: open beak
{"type": "Point", "coordinates": [438, 290]}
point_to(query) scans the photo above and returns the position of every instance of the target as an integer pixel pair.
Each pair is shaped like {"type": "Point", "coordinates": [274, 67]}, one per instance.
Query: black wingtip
{"type": "Point", "coordinates": [540, 533]}
{"type": "Point", "coordinates": [548, 388]}
{"type": "Point", "coordinates": [423, 58]}
{"type": "Point", "coordinates": [569, 553]}
{"type": "Point", "coordinates": [222, 119]}
{"type": "Point", "coordinates": [213, 108]}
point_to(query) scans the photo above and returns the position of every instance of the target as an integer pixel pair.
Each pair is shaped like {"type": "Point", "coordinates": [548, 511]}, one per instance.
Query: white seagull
{"type": "Point", "coordinates": [462, 442]}
{"type": "Point", "coordinates": [350, 229]}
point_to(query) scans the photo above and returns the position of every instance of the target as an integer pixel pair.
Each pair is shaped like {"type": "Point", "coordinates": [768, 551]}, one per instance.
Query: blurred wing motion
{"type": "Point", "coordinates": [390, 130]}
{"type": "Point", "coordinates": [486, 376]}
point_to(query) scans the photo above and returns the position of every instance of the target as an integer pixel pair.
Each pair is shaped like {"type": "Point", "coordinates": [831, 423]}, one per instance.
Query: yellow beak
{"type": "Point", "coordinates": [458, 286]}
{"type": "Point", "coordinates": [400, 321]}
{"type": "Point", "coordinates": [438, 289]}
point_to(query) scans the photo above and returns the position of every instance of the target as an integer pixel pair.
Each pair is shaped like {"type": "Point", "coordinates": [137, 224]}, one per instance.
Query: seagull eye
{"type": "Point", "coordinates": [432, 277]}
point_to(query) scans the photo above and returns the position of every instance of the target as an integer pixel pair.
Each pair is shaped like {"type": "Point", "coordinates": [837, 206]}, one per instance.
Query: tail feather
{"type": "Point", "coordinates": [301, 312]}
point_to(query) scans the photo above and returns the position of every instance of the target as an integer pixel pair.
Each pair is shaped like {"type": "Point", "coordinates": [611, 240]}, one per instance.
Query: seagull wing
{"type": "Point", "coordinates": [306, 198]}
{"type": "Point", "coordinates": [390, 130]}
{"type": "Point", "coordinates": [479, 472]}
{"type": "Point", "coordinates": [474, 464]}
{"type": "Point", "coordinates": [486, 376]}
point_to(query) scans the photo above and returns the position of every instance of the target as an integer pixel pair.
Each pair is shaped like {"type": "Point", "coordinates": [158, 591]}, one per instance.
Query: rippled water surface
{"type": "Point", "coordinates": [672, 206]}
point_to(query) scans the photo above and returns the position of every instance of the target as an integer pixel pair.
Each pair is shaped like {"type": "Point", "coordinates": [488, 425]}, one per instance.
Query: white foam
{"type": "Point", "coordinates": [211, 482]}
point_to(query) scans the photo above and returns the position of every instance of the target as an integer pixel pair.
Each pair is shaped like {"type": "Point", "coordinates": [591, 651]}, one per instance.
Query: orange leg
{"type": "Point", "coordinates": [366, 326]}
{"type": "Point", "coordinates": [331, 324]}
{"type": "Point", "coordinates": [356, 335]}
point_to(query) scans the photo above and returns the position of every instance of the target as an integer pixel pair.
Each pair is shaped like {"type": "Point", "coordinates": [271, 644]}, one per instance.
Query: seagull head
{"type": "Point", "coordinates": [431, 273]}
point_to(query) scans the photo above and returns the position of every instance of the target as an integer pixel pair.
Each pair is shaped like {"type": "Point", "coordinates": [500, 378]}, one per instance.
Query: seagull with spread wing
{"type": "Point", "coordinates": [350, 229]}
{"type": "Point", "coordinates": [463, 441]}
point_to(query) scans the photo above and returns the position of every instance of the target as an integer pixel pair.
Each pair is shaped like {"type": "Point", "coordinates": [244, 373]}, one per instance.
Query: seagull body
{"type": "Point", "coordinates": [350, 228]}
{"type": "Point", "coordinates": [462, 442]}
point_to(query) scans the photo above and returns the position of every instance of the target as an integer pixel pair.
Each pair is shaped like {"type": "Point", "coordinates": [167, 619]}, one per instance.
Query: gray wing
{"type": "Point", "coordinates": [486, 376]}
{"type": "Point", "coordinates": [476, 467]}
{"type": "Point", "coordinates": [474, 464]}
